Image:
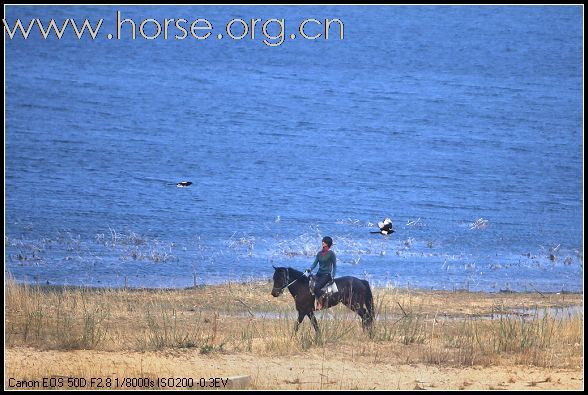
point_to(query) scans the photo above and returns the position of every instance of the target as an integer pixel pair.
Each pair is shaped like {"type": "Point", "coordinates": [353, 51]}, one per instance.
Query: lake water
{"type": "Point", "coordinates": [462, 124]}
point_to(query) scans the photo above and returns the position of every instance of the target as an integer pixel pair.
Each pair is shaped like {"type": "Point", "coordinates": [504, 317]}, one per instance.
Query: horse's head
{"type": "Point", "coordinates": [281, 280]}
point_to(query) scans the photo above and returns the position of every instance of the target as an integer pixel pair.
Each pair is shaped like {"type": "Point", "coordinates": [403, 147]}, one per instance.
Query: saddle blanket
{"type": "Point", "coordinates": [331, 288]}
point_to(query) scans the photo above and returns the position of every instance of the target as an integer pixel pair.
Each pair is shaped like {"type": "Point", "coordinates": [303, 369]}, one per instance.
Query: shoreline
{"type": "Point", "coordinates": [265, 282]}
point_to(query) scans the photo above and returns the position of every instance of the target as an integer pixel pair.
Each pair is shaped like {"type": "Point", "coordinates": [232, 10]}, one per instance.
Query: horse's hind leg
{"type": "Point", "coordinates": [363, 314]}
{"type": "Point", "coordinates": [366, 319]}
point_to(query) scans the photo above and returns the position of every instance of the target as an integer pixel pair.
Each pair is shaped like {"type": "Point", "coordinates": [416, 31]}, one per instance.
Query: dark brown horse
{"type": "Point", "coordinates": [352, 292]}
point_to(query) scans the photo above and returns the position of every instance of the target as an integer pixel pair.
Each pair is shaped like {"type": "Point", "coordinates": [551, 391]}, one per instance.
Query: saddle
{"type": "Point", "coordinates": [329, 288]}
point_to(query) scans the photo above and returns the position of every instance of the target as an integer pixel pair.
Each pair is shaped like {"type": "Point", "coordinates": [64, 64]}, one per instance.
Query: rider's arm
{"type": "Point", "coordinates": [316, 260]}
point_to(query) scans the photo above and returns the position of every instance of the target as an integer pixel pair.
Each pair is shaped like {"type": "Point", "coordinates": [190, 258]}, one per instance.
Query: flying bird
{"type": "Point", "coordinates": [386, 227]}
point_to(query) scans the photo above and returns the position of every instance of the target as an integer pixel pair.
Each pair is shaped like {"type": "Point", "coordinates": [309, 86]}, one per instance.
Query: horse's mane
{"type": "Point", "coordinates": [296, 274]}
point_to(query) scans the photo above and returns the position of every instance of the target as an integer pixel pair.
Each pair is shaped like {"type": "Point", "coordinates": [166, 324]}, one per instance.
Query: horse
{"type": "Point", "coordinates": [352, 292]}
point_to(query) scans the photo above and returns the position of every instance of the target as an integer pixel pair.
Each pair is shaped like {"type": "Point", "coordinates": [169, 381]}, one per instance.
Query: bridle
{"type": "Point", "coordinates": [287, 279]}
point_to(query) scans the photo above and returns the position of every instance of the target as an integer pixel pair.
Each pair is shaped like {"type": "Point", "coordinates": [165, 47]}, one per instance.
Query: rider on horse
{"type": "Point", "coordinates": [327, 262]}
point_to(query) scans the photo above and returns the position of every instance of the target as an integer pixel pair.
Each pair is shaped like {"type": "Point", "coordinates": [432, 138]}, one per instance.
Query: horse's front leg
{"type": "Point", "coordinates": [314, 323]}
{"type": "Point", "coordinates": [299, 321]}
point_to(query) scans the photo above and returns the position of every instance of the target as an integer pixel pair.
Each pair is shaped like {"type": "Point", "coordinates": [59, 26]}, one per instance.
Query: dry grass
{"type": "Point", "coordinates": [444, 329]}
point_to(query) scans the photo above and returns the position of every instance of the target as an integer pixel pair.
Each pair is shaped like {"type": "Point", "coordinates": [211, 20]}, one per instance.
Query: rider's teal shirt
{"type": "Point", "coordinates": [327, 263]}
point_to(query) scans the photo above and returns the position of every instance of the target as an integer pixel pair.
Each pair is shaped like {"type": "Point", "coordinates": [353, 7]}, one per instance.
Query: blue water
{"type": "Point", "coordinates": [462, 124]}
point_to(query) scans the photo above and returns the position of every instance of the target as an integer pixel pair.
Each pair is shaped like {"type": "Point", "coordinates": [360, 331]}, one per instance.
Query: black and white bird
{"type": "Point", "coordinates": [183, 184]}
{"type": "Point", "coordinates": [386, 227]}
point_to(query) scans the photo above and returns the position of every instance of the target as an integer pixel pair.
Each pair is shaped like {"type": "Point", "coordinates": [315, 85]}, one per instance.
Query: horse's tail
{"type": "Point", "coordinates": [369, 304]}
